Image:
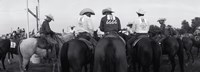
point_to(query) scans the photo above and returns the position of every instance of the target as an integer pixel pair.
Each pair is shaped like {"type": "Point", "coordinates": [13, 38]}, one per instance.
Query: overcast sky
{"type": "Point", "coordinates": [66, 12]}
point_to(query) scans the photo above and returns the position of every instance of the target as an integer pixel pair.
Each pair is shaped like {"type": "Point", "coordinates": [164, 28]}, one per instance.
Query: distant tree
{"type": "Point", "coordinates": [195, 23]}
{"type": "Point", "coordinates": [185, 27]}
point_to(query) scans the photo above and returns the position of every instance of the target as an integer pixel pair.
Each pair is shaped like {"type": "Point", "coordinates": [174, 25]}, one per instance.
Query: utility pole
{"type": "Point", "coordinates": [37, 20]}
{"type": "Point", "coordinates": [38, 14]}
{"type": "Point", "coordinates": [27, 31]}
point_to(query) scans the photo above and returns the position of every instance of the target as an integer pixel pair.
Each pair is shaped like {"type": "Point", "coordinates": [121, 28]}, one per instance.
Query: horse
{"type": "Point", "coordinates": [144, 53]}
{"type": "Point", "coordinates": [173, 46]}
{"type": "Point", "coordinates": [4, 49]}
{"type": "Point", "coordinates": [15, 40]}
{"type": "Point", "coordinates": [196, 42]}
{"type": "Point", "coordinates": [110, 55]}
{"type": "Point", "coordinates": [76, 55]}
{"type": "Point", "coordinates": [188, 44]}
{"type": "Point", "coordinates": [30, 46]}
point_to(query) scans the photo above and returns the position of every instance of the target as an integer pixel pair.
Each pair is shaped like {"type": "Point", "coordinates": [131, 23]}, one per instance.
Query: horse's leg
{"type": "Point", "coordinates": [145, 68]}
{"type": "Point", "coordinates": [9, 62]}
{"type": "Point", "coordinates": [12, 55]}
{"type": "Point", "coordinates": [25, 64]}
{"type": "Point", "coordinates": [191, 55]}
{"type": "Point", "coordinates": [173, 63]}
{"type": "Point", "coordinates": [121, 62]}
{"type": "Point", "coordinates": [97, 64]}
{"type": "Point", "coordinates": [91, 64]}
{"type": "Point", "coordinates": [86, 68]}
{"type": "Point", "coordinates": [181, 59]}
{"type": "Point", "coordinates": [198, 52]}
{"type": "Point", "coordinates": [2, 60]}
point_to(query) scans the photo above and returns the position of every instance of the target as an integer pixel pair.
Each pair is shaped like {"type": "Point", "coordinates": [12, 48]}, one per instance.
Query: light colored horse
{"type": "Point", "coordinates": [29, 46]}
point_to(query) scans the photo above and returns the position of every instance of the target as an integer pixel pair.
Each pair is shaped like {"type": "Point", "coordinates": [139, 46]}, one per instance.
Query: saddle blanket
{"type": "Point", "coordinates": [12, 44]}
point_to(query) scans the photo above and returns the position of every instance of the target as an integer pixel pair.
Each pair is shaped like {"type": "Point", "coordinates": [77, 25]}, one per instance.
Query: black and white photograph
{"type": "Point", "coordinates": [99, 35]}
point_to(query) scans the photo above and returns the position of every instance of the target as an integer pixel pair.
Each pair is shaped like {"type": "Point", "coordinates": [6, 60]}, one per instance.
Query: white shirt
{"type": "Point", "coordinates": [85, 24]}
{"type": "Point", "coordinates": [140, 25]}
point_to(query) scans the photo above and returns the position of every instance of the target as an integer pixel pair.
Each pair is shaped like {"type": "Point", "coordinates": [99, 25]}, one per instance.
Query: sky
{"type": "Point", "coordinates": [66, 12]}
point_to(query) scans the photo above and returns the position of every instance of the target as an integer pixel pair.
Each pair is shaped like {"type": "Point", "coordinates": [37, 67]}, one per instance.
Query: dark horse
{"type": "Point", "coordinates": [188, 44]}
{"type": "Point", "coordinates": [76, 55]}
{"type": "Point", "coordinates": [196, 43]}
{"type": "Point", "coordinates": [4, 48]}
{"type": "Point", "coordinates": [173, 46]}
{"type": "Point", "coordinates": [110, 55]}
{"type": "Point", "coordinates": [145, 53]}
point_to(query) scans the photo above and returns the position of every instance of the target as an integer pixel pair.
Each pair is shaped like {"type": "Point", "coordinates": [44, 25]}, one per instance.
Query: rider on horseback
{"type": "Point", "coordinates": [109, 23]}
{"type": "Point", "coordinates": [140, 27]}
{"type": "Point", "coordinates": [45, 30]}
{"type": "Point", "coordinates": [85, 27]}
{"type": "Point", "coordinates": [163, 28]}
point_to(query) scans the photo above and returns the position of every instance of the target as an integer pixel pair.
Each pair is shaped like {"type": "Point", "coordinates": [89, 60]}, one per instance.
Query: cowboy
{"type": "Point", "coordinates": [85, 28]}
{"type": "Point", "coordinates": [163, 29]}
{"type": "Point", "coordinates": [129, 25]}
{"type": "Point", "coordinates": [45, 30]}
{"type": "Point", "coordinates": [109, 23]}
{"type": "Point", "coordinates": [72, 29]}
{"type": "Point", "coordinates": [140, 27]}
{"type": "Point", "coordinates": [162, 24]}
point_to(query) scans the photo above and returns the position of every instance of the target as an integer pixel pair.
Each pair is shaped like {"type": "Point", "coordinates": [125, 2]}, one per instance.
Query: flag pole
{"type": "Point", "coordinates": [27, 19]}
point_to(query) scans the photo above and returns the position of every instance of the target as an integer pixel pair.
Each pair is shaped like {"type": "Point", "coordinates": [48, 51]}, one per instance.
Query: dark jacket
{"type": "Point", "coordinates": [110, 25]}
{"type": "Point", "coordinates": [162, 27]}
{"type": "Point", "coordinates": [45, 28]}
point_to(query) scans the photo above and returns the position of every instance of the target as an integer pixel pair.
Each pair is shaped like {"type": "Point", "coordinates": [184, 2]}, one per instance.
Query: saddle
{"type": "Point", "coordinates": [138, 39]}
{"type": "Point", "coordinates": [85, 37]}
{"type": "Point", "coordinates": [45, 42]}
{"type": "Point", "coordinates": [114, 35]}
{"type": "Point", "coordinates": [87, 42]}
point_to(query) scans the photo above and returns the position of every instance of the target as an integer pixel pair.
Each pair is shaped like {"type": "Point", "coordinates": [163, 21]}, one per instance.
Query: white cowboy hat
{"type": "Point", "coordinates": [50, 16]}
{"type": "Point", "coordinates": [162, 19]}
{"type": "Point", "coordinates": [87, 10]}
{"type": "Point", "coordinates": [107, 10]}
{"type": "Point", "coordinates": [140, 11]}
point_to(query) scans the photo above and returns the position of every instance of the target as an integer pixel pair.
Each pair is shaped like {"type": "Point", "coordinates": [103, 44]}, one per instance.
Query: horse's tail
{"type": "Point", "coordinates": [181, 54]}
{"type": "Point", "coordinates": [64, 58]}
{"type": "Point", "coordinates": [110, 59]}
{"type": "Point", "coordinates": [20, 54]}
{"type": "Point", "coordinates": [156, 55]}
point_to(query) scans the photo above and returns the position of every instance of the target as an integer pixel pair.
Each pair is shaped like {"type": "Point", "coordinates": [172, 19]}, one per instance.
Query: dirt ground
{"type": "Point", "coordinates": [165, 65]}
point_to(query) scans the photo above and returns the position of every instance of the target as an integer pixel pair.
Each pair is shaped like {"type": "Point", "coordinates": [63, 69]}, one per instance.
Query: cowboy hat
{"type": "Point", "coordinates": [107, 10]}
{"type": "Point", "coordinates": [50, 16]}
{"type": "Point", "coordinates": [161, 19]}
{"type": "Point", "coordinates": [140, 11]}
{"type": "Point", "coordinates": [87, 10]}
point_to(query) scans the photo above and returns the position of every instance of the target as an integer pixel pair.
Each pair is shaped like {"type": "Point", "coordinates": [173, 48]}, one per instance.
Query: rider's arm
{"type": "Point", "coordinates": [101, 27]}
{"type": "Point", "coordinates": [119, 24]}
